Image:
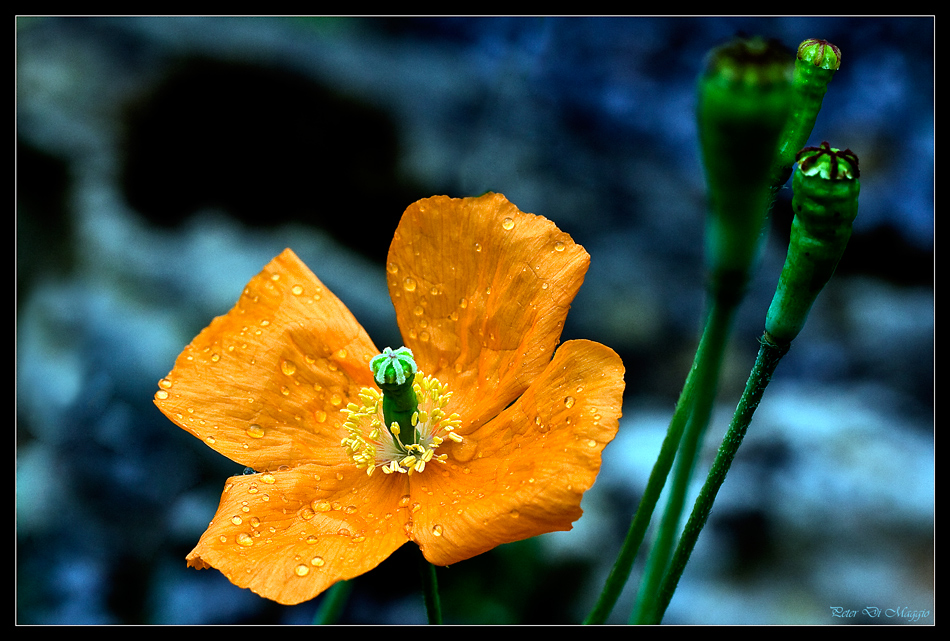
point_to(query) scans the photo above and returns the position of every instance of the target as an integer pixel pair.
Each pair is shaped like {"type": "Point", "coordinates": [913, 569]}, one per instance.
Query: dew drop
{"type": "Point", "coordinates": [317, 562]}
{"type": "Point", "coordinates": [215, 358]}
{"type": "Point", "coordinates": [392, 268]}
{"type": "Point", "coordinates": [569, 402]}
{"type": "Point", "coordinates": [321, 506]}
{"type": "Point", "coordinates": [478, 247]}
{"type": "Point", "coordinates": [515, 514]}
{"type": "Point", "coordinates": [508, 223]}
{"type": "Point", "coordinates": [237, 520]}
{"type": "Point", "coordinates": [244, 540]}
{"type": "Point", "coordinates": [255, 522]}
{"type": "Point", "coordinates": [437, 530]}
{"type": "Point", "coordinates": [210, 440]}
{"type": "Point", "coordinates": [301, 570]}
{"type": "Point", "coordinates": [268, 478]}
{"type": "Point", "coordinates": [559, 246]}
{"type": "Point", "coordinates": [321, 416]}
{"type": "Point", "coordinates": [161, 395]}
{"type": "Point", "coordinates": [296, 290]}
{"type": "Point", "coordinates": [288, 367]}
{"type": "Point", "coordinates": [255, 431]}
{"type": "Point", "coordinates": [418, 311]}
{"type": "Point", "coordinates": [312, 540]}
{"type": "Point", "coordinates": [165, 383]}
{"type": "Point", "coordinates": [409, 284]}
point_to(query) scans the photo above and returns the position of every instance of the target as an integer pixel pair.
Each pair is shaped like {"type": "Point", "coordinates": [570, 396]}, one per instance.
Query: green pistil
{"type": "Point", "coordinates": [395, 371]}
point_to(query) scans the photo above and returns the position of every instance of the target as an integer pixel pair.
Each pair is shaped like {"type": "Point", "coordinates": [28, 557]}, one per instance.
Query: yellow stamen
{"type": "Point", "coordinates": [382, 448]}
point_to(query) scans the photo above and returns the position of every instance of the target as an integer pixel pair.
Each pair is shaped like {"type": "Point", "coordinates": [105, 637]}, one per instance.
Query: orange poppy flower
{"type": "Point", "coordinates": [282, 384]}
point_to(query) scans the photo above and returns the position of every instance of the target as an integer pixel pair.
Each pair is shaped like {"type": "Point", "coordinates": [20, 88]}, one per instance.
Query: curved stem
{"type": "Point", "coordinates": [770, 353]}
{"type": "Point", "coordinates": [710, 355]}
{"type": "Point", "coordinates": [620, 572]}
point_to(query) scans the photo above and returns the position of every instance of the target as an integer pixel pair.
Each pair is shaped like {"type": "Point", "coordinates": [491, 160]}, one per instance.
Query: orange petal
{"type": "Point", "coordinates": [523, 473]}
{"type": "Point", "coordinates": [289, 535]}
{"type": "Point", "coordinates": [265, 384]}
{"type": "Point", "coordinates": [481, 291]}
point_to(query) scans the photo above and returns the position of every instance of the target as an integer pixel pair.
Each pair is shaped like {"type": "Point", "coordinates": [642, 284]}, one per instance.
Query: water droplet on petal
{"type": "Point", "coordinates": [409, 284]}
{"type": "Point", "coordinates": [268, 478]}
{"type": "Point", "coordinates": [569, 402]}
{"type": "Point", "coordinates": [317, 561]}
{"type": "Point", "coordinates": [288, 367]}
{"type": "Point", "coordinates": [237, 520]}
{"type": "Point", "coordinates": [508, 223]}
{"type": "Point", "coordinates": [255, 431]}
{"type": "Point", "coordinates": [558, 246]}
{"type": "Point", "coordinates": [437, 530]}
{"type": "Point", "coordinates": [297, 290]}
{"type": "Point", "coordinates": [243, 539]}
{"type": "Point", "coordinates": [161, 395]}
{"type": "Point", "coordinates": [165, 383]}
{"type": "Point", "coordinates": [301, 570]}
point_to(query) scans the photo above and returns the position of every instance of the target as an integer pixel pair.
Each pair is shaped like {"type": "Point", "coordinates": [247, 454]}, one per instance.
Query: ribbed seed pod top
{"type": "Point", "coordinates": [825, 203]}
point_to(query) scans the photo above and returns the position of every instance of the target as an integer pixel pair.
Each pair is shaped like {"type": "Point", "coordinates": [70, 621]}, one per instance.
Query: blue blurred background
{"type": "Point", "coordinates": [161, 162]}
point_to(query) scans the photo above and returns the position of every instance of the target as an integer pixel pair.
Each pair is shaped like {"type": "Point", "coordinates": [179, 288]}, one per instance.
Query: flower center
{"type": "Point", "coordinates": [400, 428]}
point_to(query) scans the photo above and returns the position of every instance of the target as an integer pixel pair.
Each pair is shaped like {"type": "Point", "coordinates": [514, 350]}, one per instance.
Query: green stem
{"type": "Point", "coordinates": [710, 355]}
{"type": "Point", "coordinates": [620, 572]}
{"type": "Point", "coordinates": [770, 353]}
{"type": "Point", "coordinates": [430, 591]}
{"type": "Point", "coordinates": [333, 602]}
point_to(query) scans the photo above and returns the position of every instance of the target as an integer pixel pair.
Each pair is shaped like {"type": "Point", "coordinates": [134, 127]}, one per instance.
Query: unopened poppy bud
{"type": "Point", "coordinates": [743, 105]}
{"type": "Point", "coordinates": [815, 66]}
{"type": "Point", "coordinates": [825, 204]}
{"type": "Point", "coordinates": [395, 372]}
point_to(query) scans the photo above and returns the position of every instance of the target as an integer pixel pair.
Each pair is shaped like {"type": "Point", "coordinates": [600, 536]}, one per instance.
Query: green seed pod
{"type": "Point", "coordinates": [825, 203]}
{"type": "Point", "coordinates": [395, 371]}
{"type": "Point", "coordinates": [815, 66]}
{"type": "Point", "coordinates": [744, 97]}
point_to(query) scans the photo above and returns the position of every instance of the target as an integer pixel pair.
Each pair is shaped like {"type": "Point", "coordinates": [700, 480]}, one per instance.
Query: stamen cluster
{"type": "Point", "coordinates": [371, 444]}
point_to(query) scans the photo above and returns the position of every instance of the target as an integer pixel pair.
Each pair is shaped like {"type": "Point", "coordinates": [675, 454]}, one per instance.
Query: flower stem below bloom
{"type": "Point", "coordinates": [430, 591]}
